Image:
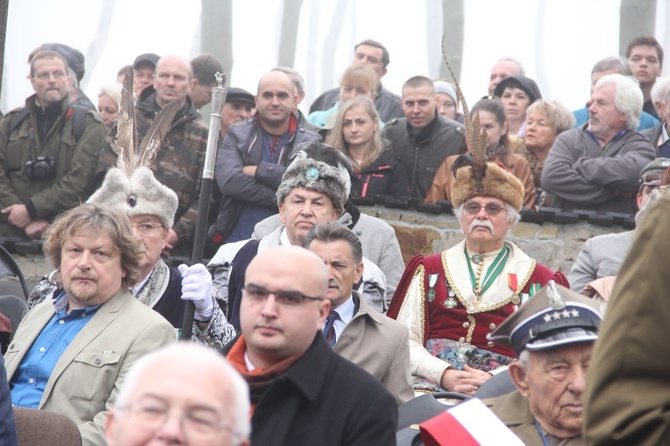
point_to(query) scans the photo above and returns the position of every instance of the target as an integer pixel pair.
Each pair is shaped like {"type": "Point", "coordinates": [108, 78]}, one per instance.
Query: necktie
{"type": "Point", "coordinates": [329, 329]}
{"type": "Point", "coordinates": [664, 149]}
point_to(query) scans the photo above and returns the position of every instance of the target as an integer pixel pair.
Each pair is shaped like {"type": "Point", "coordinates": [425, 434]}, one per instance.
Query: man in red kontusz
{"type": "Point", "coordinates": [452, 300]}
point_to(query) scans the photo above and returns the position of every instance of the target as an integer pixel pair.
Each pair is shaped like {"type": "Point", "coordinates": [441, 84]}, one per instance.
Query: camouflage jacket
{"type": "Point", "coordinates": [75, 162]}
{"type": "Point", "coordinates": [180, 160]}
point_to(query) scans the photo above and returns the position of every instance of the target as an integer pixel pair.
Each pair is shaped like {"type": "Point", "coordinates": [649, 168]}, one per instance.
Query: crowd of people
{"type": "Point", "coordinates": [308, 326]}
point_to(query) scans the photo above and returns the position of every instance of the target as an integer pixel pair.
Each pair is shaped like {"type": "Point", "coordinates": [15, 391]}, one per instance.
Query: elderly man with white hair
{"type": "Point", "coordinates": [452, 300]}
{"type": "Point", "coordinates": [181, 394]}
{"type": "Point", "coordinates": [658, 135]}
{"type": "Point", "coordinates": [597, 166]}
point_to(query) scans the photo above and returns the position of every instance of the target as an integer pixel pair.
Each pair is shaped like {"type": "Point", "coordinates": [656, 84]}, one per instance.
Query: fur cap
{"type": "Point", "coordinates": [139, 194]}
{"type": "Point", "coordinates": [497, 182]}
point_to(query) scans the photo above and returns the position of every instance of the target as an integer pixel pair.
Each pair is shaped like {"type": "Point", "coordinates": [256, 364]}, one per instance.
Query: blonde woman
{"type": "Point", "coordinates": [357, 135]}
{"type": "Point", "coordinates": [358, 80]}
{"type": "Point", "coordinates": [109, 99]}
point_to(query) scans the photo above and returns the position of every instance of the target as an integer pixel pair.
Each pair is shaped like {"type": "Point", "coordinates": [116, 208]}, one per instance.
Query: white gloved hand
{"type": "Point", "coordinates": [196, 286]}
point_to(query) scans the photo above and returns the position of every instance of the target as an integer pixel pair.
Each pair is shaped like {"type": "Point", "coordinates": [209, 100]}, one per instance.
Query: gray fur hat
{"type": "Point", "coordinates": [313, 174]}
{"type": "Point", "coordinates": [139, 194]}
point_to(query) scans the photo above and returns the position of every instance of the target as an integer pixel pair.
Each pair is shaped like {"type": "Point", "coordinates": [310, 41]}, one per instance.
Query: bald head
{"type": "Point", "coordinates": [284, 304]}
{"type": "Point", "coordinates": [167, 377]}
{"type": "Point", "coordinates": [286, 261]}
{"type": "Point", "coordinates": [275, 101]}
{"type": "Point", "coordinates": [173, 81]}
{"type": "Point", "coordinates": [275, 78]}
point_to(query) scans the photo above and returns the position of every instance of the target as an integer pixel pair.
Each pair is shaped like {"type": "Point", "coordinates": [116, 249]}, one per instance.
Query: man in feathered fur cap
{"type": "Point", "coordinates": [452, 300]}
{"type": "Point", "coordinates": [151, 207]}
{"type": "Point", "coordinates": [314, 189]}
{"type": "Point", "coordinates": [132, 188]}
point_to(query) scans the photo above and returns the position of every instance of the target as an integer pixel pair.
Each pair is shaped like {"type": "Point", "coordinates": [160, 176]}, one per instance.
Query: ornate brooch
{"type": "Point", "coordinates": [132, 200]}
{"type": "Point", "coordinates": [312, 174]}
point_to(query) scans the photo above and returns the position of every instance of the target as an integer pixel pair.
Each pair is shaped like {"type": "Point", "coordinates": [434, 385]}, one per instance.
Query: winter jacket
{"type": "Point", "coordinates": [423, 152]}
{"type": "Point", "coordinates": [75, 161]}
{"type": "Point", "coordinates": [180, 160]}
{"type": "Point", "coordinates": [582, 175]}
{"type": "Point", "coordinates": [243, 146]}
{"type": "Point", "coordinates": [384, 176]}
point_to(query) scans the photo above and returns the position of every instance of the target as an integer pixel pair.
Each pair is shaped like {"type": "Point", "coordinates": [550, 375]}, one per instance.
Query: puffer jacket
{"type": "Point", "coordinates": [384, 176]}
{"type": "Point", "coordinates": [243, 146]}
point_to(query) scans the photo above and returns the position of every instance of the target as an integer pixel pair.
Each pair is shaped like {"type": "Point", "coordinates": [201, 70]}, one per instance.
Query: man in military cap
{"type": "Point", "coordinates": [553, 335]}
{"type": "Point", "coordinates": [603, 255]}
{"type": "Point", "coordinates": [452, 300]}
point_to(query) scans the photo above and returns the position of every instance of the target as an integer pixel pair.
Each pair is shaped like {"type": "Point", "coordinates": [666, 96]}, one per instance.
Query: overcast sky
{"type": "Point", "coordinates": [557, 40]}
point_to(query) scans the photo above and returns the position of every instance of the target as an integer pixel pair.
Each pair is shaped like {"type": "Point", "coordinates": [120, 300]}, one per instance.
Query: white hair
{"type": "Point", "coordinates": [524, 359]}
{"type": "Point", "coordinates": [180, 353]}
{"type": "Point", "coordinates": [520, 70]}
{"type": "Point", "coordinates": [660, 90]}
{"type": "Point", "coordinates": [628, 97]}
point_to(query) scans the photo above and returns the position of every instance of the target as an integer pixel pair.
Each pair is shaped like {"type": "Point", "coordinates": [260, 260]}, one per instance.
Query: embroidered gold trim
{"type": "Point", "coordinates": [471, 329]}
{"type": "Point", "coordinates": [421, 272]}
{"type": "Point", "coordinates": [471, 309]}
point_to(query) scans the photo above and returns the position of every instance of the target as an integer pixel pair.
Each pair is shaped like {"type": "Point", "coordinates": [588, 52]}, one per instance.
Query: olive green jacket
{"type": "Point", "coordinates": [627, 398]}
{"type": "Point", "coordinates": [75, 164]}
{"type": "Point", "coordinates": [514, 411]}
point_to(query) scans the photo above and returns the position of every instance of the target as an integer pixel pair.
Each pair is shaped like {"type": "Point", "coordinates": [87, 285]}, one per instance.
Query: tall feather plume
{"type": "Point", "coordinates": [130, 157]}
{"type": "Point", "coordinates": [475, 136]}
{"type": "Point", "coordinates": [160, 126]}
{"type": "Point", "coordinates": [126, 132]}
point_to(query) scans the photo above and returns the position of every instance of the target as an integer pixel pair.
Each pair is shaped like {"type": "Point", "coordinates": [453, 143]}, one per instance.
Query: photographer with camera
{"type": "Point", "coordinates": [48, 152]}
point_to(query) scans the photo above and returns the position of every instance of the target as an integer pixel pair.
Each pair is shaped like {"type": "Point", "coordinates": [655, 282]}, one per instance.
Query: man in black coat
{"type": "Point", "coordinates": [423, 138]}
{"type": "Point", "coordinates": [301, 391]}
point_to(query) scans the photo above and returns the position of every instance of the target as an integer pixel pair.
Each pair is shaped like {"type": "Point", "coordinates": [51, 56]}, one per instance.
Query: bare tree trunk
{"type": "Point", "coordinates": [636, 17]}
{"type": "Point", "coordinates": [452, 23]}
{"type": "Point", "coordinates": [434, 33]}
{"type": "Point", "coordinates": [666, 36]}
{"type": "Point", "coordinates": [217, 32]}
{"type": "Point", "coordinates": [539, 43]}
{"type": "Point", "coordinates": [4, 8]}
{"type": "Point", "coordinates": [95, 48]}
{"type": "Point", "coordinates": [289, 32]}
{"type": "Point", "coordinates": [330, 42]}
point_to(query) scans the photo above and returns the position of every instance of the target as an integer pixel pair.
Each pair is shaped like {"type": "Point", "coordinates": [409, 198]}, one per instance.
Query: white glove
{"type": "Point", "coordinates": [196, 286]}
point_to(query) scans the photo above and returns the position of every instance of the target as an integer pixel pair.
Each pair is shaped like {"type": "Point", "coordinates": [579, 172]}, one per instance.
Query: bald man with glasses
{"type": "Point", "coordinates": [301, 391]}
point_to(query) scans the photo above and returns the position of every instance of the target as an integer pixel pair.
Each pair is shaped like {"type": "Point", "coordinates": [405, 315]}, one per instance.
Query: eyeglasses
{"type": "Point", "coordinates": [492, 209]}
{"type": "Point", "coordinates": [284, 298]}
{"type": "Point", "coordinates": [198, 424]}
{"type": "Point", "coordinates": [147, 228]}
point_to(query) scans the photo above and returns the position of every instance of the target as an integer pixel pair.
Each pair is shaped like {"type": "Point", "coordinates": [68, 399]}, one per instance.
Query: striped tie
{"type": "Point", "coordinates": [329, 329]}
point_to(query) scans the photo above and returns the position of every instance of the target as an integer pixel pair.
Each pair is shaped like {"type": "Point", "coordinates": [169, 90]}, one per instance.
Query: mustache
{"type": "Point", "coordinates": [332, 283]}
{"type": "Point", "coordinates": [485, 223]}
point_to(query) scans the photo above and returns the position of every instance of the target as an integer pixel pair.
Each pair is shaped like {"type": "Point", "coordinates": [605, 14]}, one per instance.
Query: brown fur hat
{"type": "Point", "coordinates": [497, 182]}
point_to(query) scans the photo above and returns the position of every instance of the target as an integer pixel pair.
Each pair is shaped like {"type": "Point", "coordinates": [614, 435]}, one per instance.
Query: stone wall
{"type": "Point", "coordinates": [554, 245]}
